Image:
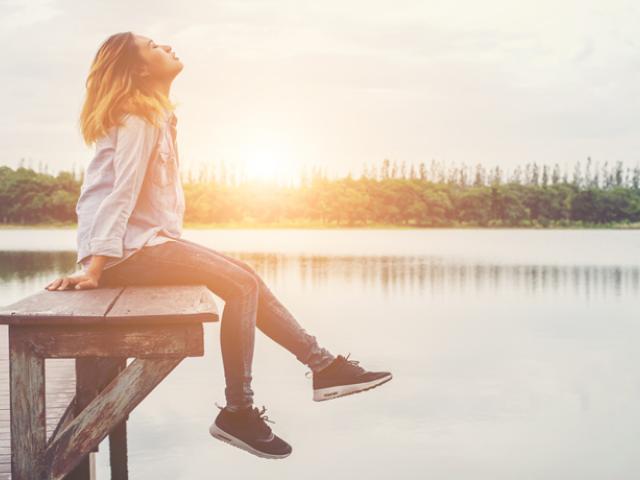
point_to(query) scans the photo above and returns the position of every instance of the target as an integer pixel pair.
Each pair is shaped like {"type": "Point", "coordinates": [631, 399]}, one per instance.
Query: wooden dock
{"type": "Point", "coordinates": [70, 385]}
{"type": "Point", "coordinates": [60, 389]}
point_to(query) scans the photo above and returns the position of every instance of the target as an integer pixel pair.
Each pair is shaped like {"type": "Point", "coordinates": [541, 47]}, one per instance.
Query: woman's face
{"type": "Point", "coordinates": [161, 63]}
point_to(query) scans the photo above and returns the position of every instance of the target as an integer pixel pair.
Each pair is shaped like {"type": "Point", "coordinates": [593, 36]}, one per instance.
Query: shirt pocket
{"type": "Point", "coordinates": [164, 169]}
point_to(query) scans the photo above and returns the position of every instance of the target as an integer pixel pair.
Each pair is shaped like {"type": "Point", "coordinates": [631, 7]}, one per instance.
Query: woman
{"type": "Point", "coordinates": [130, 213]}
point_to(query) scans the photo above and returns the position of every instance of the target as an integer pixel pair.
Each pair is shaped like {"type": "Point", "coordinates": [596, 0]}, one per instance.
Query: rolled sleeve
{"type": "Point", "coordinates": [135, 142]}
{"type": "Point", "coordinates": [109, 247]}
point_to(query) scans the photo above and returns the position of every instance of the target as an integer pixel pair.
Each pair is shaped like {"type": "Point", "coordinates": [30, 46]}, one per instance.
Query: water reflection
{"type": "Point", "coordinates": [16, 266]}
{"type": "Point", "coordinates": [390, 275]}
{"type": "Point", "coordinates": [519, 366]}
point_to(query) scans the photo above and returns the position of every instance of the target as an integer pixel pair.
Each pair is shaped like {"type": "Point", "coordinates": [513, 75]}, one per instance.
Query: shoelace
{"type": "Point", "coordinates": [346, 360]}
{"type": "Point", "coordinates": [352, 362]}
{"type": "Point", "coordinates": [254, 411]}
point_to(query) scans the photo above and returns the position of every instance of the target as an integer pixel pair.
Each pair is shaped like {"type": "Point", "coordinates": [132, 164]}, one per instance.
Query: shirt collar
{"type": "Point", "coordinates": [172, 121]}
{"type": "Point", "coordinates": [170, 117]}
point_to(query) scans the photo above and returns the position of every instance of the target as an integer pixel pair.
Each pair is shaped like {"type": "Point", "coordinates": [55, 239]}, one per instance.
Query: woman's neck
{"type": "Point", "coordinates": [162, 87]}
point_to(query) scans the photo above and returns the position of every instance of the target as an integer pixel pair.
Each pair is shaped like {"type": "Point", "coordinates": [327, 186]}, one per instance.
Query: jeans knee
{"type": "Point", "coordinates": [258, 279]}
{"type": "Point", "coordinates": [247, 267]}
{"type": "Point", "coordinates": [250, 286]}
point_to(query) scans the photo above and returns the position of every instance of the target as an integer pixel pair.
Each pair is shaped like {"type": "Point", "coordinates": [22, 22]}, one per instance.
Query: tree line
{"type": "Point", "coordinates": [389, 193]}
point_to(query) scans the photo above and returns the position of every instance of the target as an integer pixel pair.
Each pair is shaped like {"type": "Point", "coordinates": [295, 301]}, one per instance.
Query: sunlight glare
{"type": "Point", "coordinates": [267, 160]}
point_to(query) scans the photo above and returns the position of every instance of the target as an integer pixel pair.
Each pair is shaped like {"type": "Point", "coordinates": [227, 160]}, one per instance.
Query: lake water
{"type": "Point", "coordinates": [514, 354]}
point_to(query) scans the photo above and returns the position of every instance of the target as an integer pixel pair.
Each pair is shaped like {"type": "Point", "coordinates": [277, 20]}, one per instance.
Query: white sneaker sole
{"type": "Point", "coordinates": [329, 393]}
{"type": "Point", "coordinates": [220, 434]}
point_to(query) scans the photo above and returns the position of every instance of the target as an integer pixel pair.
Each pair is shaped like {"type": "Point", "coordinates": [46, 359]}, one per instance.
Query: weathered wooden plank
{"type": "Point", "coordinates": [164, 304]}
{"type": "Point", "coordinates": [104, 412]}
{"type": "Point", "coordinates": [28, 421]}
{"type": "Point", "coordinates": [139, 341]}
{"type": "Point", "coordinates": [59, 390]}
{"type": "Point", "coordinates": [65, 306]}
{"type": "Point", "coordinates": [92, 375]}
{"type": "Point", "coordinates": [114, 305]}
{"type": "Point", "coordinates": [118, 438]}
{"type": "Point", "coordinates": [136, 321]}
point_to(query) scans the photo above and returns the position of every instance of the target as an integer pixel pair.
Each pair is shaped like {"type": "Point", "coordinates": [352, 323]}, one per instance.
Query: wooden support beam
{"type": "Point", "coordinates": [104, 412]}
{"type": "Point", "coordinates": [92, 375]}
{"type": "Point", "coordinates": [28, 420]}
{"type": "Point", "coordinates": [132, 341]}
{"type": "Point", "coordinates": [118, 458]}
{"type": "Point", "coordinates": [157, 325]}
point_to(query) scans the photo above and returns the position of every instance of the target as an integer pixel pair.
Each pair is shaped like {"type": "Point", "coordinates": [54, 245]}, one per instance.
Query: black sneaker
{"type": "Point", "coordinates": [344, 377]}
{"type": "Point", "coordinates": [246, 429]}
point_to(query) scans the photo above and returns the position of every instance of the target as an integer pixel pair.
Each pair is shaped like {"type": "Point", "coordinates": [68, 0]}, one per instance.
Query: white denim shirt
{"type": "Point", "coordinates": [131, 195]}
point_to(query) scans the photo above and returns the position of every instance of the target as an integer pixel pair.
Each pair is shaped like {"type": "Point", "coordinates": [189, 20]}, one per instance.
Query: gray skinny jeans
{"type": "Point", "coordinates": [248, 303]}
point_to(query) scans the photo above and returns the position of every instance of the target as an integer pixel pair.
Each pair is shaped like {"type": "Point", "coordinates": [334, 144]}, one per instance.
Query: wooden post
{"type": "Point", "coordinates": [105, 412]}
{"type": "Point", "coordinates": [118, 443]}
{"type": "Point", "coordinates": [118, 452]}
{"type": "Point", "coordinates": [28, 420]}
{"type": "Point", "coordinates": [92, 375]}
{"type": "Point", "coordinates": [100, 328]}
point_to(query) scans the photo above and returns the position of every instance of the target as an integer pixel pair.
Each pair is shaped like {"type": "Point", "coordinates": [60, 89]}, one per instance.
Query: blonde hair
{"type": "Point", "coordinates": [114, 90]}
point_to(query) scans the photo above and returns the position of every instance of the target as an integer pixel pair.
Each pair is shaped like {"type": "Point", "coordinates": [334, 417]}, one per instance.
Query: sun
{"type": "Point", "coordinates": [262, 165]}
{"type": "Point", "coordinates": [267, 160]}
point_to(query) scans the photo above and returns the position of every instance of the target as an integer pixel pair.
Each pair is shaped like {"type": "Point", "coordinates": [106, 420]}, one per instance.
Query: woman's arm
{"type": "Point", "coordinates": [81, 280]}
{"type": "Point", "coordinates": [96, 265]}
{"type": "Point", "coordinates": [135, 142]}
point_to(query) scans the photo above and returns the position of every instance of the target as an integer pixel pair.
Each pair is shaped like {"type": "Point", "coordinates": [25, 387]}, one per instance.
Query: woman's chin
{"type": "Point", "coordinates": [178, 68]}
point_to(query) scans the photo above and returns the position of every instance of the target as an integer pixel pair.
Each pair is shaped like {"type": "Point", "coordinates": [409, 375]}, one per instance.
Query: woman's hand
{"type": "Point", "coordinates": [81, 280]}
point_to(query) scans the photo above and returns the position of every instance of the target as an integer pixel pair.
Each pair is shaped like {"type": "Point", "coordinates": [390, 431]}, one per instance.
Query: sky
{"type": "Point", "coordinates": [273, 86]}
